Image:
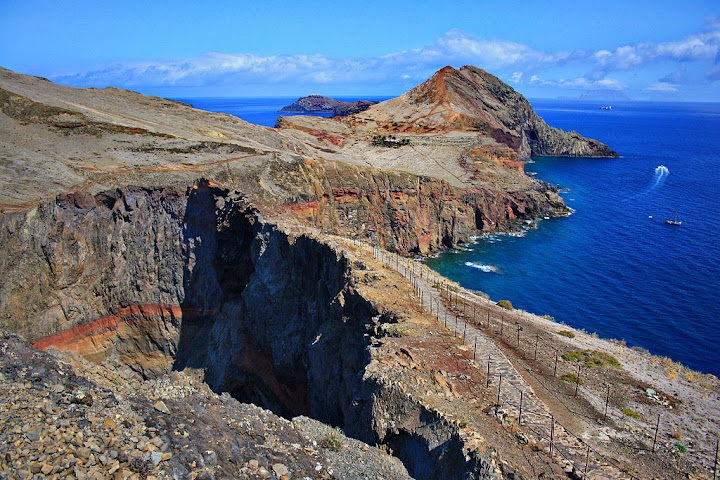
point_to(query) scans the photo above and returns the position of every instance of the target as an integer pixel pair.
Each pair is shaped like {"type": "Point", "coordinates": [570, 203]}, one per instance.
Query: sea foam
{"type": "Point", "coordinates": [480, 266]}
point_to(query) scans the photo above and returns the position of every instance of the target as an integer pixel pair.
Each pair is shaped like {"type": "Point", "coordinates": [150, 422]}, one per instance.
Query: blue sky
{"type": "Point", "coordinates": [659, 50]}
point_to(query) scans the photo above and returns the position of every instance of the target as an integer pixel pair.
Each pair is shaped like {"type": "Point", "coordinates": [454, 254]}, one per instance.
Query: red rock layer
{"type": "Point", "coordinates": [95, 339]}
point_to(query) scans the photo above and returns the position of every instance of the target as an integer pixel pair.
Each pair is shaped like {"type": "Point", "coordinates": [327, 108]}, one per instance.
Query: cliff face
{"type": "Point", "coordinates": [59, 140]}
{"type": "Point", "coordinates": [156, 280]}
{"type": "Point", "coordinates": [406, 213]}
{"type": "Point", "coordinates": [82, 256]}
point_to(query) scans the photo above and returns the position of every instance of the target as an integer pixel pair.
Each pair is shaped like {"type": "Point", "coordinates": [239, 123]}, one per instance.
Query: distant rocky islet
{"type": "Point", "coordinates": [320, 104]}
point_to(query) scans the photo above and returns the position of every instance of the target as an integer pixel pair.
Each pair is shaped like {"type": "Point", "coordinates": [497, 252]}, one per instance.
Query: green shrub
{"type": "Point", "coordinates": [574, 356]}
{"type": "Point", "coordinates": [592, 358]}
{"type": "Point", "coordinates": [566, 333]}
{"type": "Point", "coordinates": [505, 304]}
{"type": "Point", "coordinates": [631, 413]}
{"type": "Point", "coordinates": [680, 447]}
{"type": "Point", "coordinates": [333, 442]}
{"type": "Point", "coordinates": [548, 317]}
{"type": "Point", "coordinates": [572, 378]}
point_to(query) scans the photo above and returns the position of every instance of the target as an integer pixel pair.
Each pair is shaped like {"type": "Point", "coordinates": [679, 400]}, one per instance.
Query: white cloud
{"type": "Point", "coordinates": [221, 67]}
{"type": "Point", "coordinates": [580, 83]}
{"type": "Point", "coordinates": [457, 48]}
{"type": "Point", "coordinates": [663, 87]}
{"type": "Point", "coordinates": [507, 59]}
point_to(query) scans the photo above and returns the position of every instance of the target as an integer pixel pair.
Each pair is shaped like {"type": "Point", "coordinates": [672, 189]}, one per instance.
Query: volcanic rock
{"type": "Point", "coordinates": [173, 263]}
{"type": "Point", "coordinates": [320, 104]}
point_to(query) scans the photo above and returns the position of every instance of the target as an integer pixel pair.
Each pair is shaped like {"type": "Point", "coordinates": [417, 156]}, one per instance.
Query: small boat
{"type": "Point", "coordinates": [609, 107]}
{"type": "Point", "coordinates": [674, 221]}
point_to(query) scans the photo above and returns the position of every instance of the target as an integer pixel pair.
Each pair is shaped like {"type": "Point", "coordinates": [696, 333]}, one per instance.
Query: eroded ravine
{"type": "Point", "coordinates": [196, 279]}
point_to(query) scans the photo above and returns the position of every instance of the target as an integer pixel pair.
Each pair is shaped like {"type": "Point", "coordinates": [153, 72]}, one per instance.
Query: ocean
{"type": "Point", "coordinates": [261, 111]}
{"type": "Point", "coordinates": [613, 267]}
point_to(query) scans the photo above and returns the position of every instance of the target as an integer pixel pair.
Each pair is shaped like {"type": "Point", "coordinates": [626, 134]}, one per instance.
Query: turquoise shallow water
{"type": "Point", "coordinates": [608, 268]}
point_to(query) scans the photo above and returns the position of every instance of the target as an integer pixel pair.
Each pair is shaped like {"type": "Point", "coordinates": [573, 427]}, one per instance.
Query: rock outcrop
{"type": "Point", "coordinates": [321, 104]}
{"type": "Point", "coordinates": [471, 100]}
{"type": "Point", "coordinates": [284, 321]}
{"type": "Point", "coordinates": [65, 417]}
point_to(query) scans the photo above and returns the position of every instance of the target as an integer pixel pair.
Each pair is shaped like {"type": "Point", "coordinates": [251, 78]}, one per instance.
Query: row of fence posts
{"type": "Point", "coordinates": [409, 272]}
{"type": "Point", "coordinates": [449, 293]}
{"type": "Point", "coordinates": [578, 379]}
{"type": "Point", "coordinates": [552, 438]}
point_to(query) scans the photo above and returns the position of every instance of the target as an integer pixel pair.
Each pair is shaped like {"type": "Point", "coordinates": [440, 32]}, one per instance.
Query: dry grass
{"type": "Point", "coordinates": [333, 441]}
{"type": "Point", "coordinates": [506, 304]}
{"type": "Point", "coordinates": [592, 358]}
{"type": "Point", "coordinates": [631, 413]}
{"type": "Point", "coordinates": [571, 378]}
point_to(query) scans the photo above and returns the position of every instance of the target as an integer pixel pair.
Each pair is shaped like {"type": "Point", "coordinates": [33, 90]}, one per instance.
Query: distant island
{"type": "Point", "coordinates": [321, 104]}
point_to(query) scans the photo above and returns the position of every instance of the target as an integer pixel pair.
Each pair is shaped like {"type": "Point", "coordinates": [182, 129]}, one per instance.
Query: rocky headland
{"type": "Point", "coordinates": [321, 104]}
{"type": "Point", "coordinates": [201, 297]}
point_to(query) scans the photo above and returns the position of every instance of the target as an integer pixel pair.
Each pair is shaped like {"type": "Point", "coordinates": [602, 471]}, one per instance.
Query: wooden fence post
{"type": "Point", "coordinates": [657, 427]}
{"type": "Point", "coordinates": [577, 380]}
{"type": "Point", "coordinates": [499, 386]}
{"type": "Point", "coordinates": [520, 414]}
{"type": "Point", "coordinates": [587, 461]}
{"type": "Point", "coordinates": [607, 400]}
{"type": "Point", "coordinates": [488, 372]}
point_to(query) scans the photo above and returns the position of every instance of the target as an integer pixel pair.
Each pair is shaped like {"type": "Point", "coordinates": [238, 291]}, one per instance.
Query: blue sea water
{"type": "Point", "coordinates": [608, 268]}
{"type": "Point", "coordinates": [261, 111]}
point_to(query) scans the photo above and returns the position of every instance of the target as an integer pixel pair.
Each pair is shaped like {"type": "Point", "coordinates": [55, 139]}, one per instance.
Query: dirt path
{"type": "Point", "coordinates": [516, 397]}
{"type": "Point", "coordinates": [642, 417]}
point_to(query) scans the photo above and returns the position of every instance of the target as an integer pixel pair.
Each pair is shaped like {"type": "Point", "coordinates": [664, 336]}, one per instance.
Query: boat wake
{"type": "Point", "coordinates": [661, 173]}
{"type": "Point", "coordinates": [480, 266]}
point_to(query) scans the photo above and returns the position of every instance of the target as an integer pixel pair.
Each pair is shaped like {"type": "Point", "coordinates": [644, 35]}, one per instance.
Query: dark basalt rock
{"type": "Point", "coordinates": [320, 104]}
